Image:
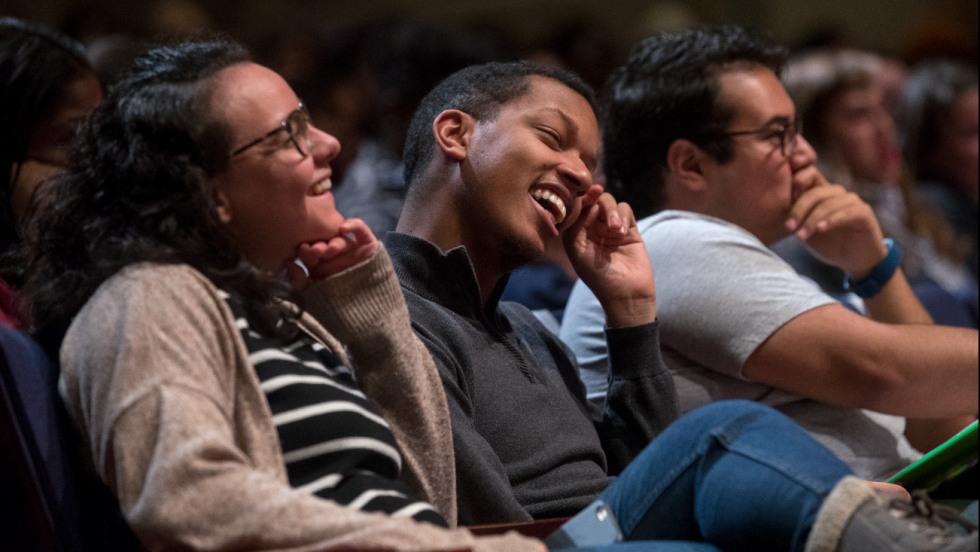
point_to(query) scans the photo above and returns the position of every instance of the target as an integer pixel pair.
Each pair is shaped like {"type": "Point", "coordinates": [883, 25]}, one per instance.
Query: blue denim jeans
{"type": "Point", "coordinates": [733, 475]}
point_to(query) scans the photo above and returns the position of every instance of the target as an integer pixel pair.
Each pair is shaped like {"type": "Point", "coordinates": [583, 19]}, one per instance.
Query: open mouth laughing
{"type": "Point", "coordinates": [551, 203]}
{"type": "Point", "coordinates": [322, 187]}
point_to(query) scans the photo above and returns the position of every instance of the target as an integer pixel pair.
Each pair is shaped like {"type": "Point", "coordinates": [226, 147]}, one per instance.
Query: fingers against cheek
{"type": "Point", "coordinates": [626, 213]}
{"type": "Point", "coordinates": [610, 212]}
{"type": "Point", "coordinates": [592, 196]}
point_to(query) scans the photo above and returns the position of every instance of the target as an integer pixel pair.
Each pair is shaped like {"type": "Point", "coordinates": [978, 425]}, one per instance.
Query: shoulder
{"type": "Point", "coordinates": [688, 224]}
{"type": "Point", "coordinates": [154, 279]}
{"type": "Point", "coordinates": [677, 239]}
{"type": "Point", "coordinates": [145, 297]}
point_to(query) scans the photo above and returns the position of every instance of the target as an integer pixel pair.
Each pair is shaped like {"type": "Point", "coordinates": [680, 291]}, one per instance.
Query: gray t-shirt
{"type": "Point", "coordinates": [720, 294]}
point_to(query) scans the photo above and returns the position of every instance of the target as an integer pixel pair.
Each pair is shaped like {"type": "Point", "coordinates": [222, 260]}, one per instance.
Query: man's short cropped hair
{"type": "Point", "coordinates": [480, 91]}
{"type": "Point", "coordinates": [668, 90]}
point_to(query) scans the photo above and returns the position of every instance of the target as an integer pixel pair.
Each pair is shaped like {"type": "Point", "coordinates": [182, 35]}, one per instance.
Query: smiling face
{"type": "Point", "coordinates": [754, 189]}
{"type": "Point", "coordinates": [525, 172]}
{"type": "Point", "coordinates": [271, 196]}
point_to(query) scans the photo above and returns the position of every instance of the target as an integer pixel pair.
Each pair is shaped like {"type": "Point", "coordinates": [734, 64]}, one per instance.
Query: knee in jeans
{"type": "Point", "coordinates": [737, 407]}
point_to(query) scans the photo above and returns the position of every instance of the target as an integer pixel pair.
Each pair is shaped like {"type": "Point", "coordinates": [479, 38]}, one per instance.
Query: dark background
{"type": "Point", "coordinates": [902, 28]}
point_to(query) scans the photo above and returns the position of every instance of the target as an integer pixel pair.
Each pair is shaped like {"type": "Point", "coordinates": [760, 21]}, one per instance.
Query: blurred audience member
{"type": "Point", "coordinates": [579, 45]}
{"type": "Point", "coordinates": [843, 106]}
{"type": "Point", "coordinates": [111, 54]}
{"type": "Point", "coordinates": [47, 87]}
{"type": "Point", "coordinates": [938, 118]}
{"type": "Point", "coordinates": [329, 70]}
{"type": "Point", "coordinates": [406, 59]}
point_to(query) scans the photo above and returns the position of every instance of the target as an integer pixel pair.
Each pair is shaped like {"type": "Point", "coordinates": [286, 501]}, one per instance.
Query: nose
{"type": "Point", "coordinates": [803, 154]}
{"type": "Point", "coordinates": [576, 174]}
{"type": "Point", "coordinates": [323, 146]}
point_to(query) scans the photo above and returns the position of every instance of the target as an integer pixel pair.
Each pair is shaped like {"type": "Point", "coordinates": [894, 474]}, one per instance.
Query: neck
{"type": "Point", "coordinates": [442, 227]}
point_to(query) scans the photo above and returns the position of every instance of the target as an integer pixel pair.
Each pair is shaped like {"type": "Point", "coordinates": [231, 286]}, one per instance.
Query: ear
{"type": "Point", "coordinates": [222, 205]}
{"type": "Point", "coordinates": [685, 164]}
{"type": "Point", "coordinates": [452, 130]}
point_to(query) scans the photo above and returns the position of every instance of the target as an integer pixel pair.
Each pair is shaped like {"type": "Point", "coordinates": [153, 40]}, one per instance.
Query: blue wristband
{"type": "Point", "coordinates": [870, 285]}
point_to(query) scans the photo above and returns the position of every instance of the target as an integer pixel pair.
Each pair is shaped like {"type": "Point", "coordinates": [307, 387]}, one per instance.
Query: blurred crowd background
{"type": "Point", "coordinates": [382, 55]}
{"type": "Point", "coordinates": [593, 33]}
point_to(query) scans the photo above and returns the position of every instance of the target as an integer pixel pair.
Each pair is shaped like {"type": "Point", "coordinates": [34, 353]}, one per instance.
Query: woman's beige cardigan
{"type": "Point", "coordinates": [156, 376]}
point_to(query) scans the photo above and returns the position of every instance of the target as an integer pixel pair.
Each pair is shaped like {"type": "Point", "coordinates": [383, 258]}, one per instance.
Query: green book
{"type": "Point", "coordinates": [941, 463]}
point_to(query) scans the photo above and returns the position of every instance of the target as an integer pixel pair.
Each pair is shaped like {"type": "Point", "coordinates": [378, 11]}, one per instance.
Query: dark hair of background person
{"type": "Point", "coordinates": [581, 46]}
{"type": "Point", "coordinates": [112, 54]}
{"type": "Point", "coordinates": [407, 58]}
{"type": "Point", "coordinates": [328, 70]}
{"type": "Point", "coordinates": [930, 90]}
{"type": "Point", "coordinates": [363, 80]}
{"type": "Point", "coordinates": [36, 66]}
{"type": "Point", "coordinates": [138, 190]}
{"type": "Point", "coordinates": [668, 90]}
{"type": "Point", "coordinates": [480, 91]}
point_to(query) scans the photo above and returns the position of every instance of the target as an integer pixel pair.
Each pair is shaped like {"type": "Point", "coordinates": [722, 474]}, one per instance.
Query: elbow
{"type": "Point", "coordinates": [881, 385]}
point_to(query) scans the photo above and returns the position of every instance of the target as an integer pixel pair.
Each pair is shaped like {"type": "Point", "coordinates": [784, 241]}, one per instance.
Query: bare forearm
{"type": "Point", "coordinates": [919, 370]}
{"type": "Point", "coordinates": [928, 371]}
{"type": "Point", "coordinates": [897, 303]}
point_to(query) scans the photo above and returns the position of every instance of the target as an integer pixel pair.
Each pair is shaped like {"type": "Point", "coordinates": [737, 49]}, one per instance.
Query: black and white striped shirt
{"type": "Point", "coordinates": [335, 443]}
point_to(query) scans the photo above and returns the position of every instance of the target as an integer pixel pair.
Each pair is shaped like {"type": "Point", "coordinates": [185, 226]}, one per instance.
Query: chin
{"type": "Point", "coordinates": [517, 253]}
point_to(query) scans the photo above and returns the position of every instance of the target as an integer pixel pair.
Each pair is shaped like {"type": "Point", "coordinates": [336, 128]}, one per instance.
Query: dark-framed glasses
{"type": "Point", "coordinates": [786, 133]}
{"type": "Point", "coordinates": [297, 124]}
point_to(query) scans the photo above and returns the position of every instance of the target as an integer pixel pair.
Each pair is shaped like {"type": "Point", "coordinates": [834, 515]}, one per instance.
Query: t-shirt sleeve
{"type": "Point", "coordinates": [720, 292]}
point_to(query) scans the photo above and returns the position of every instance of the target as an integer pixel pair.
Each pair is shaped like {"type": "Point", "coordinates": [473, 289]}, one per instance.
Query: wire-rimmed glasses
{"type": "Point", "coordinates": [297, 124]}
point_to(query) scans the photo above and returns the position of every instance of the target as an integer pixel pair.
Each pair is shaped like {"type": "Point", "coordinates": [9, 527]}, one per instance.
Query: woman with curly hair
{"type": "Point", "coordinates": [221, 413]}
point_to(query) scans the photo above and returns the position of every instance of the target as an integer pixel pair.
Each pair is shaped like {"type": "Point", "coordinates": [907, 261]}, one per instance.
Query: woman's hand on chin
{"type": "Point", "coordinates": [353, 244]}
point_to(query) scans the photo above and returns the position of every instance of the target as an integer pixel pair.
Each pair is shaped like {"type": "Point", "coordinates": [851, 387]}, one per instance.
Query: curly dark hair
{"type": "Point", "coordinates": [36, 66]}
{"type": "Point", "coordinates": [479, 90]}
{"type": "Point", "coordinates": [138, 189]}
{"type": "Point", "coordinates": [668, 90]}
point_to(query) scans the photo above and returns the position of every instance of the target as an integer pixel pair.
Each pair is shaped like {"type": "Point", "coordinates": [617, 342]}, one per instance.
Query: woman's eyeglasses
{"type": "Point", "coordinates": [297, 124]}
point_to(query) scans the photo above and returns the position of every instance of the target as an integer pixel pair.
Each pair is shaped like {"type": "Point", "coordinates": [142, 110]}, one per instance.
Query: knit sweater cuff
{"type": "Point", "coordinates": [351, 303]}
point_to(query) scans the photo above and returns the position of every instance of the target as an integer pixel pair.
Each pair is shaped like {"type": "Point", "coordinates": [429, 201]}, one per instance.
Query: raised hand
{"type": "Point", "coordinates": [609, 255]}
{"type": "Point", "coordinates": [837, 225]}
{"type": "Point", "coordinates": [353, 244]}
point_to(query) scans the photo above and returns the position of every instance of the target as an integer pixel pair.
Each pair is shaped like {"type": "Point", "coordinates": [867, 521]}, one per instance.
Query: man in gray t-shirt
{"type": "Point", "coordinates": [710, 275]}
{"type": "Point", "coordinates": [700, 133]}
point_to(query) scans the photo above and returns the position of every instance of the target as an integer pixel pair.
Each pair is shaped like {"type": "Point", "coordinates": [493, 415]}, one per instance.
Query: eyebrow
{"type": "Point", "coordinates": [778, 120]}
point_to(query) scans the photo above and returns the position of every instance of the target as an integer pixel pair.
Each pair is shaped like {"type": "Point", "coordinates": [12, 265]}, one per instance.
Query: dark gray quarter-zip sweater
{"type": "Point", "coordinates": [527, 442]}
